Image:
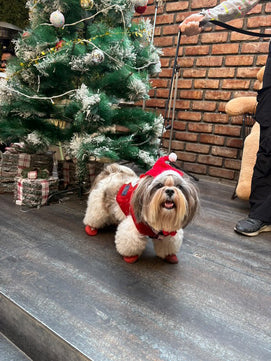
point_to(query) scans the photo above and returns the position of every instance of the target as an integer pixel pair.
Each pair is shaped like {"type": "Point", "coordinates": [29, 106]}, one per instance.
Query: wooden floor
{"type": "Point", "coordinates": [214, 305]}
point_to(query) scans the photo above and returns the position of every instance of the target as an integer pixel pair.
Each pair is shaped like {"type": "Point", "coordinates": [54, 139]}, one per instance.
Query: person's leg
{"type": "Point", "coordinates": [259, 219]}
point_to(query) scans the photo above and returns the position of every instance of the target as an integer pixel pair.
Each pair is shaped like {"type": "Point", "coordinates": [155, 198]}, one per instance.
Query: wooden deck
{"type": "Point", "coordinates": [66, 296]}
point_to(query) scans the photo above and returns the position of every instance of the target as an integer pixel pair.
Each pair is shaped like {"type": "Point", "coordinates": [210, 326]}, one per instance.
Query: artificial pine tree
{"type": "Point", "coordinates": [79, 68]}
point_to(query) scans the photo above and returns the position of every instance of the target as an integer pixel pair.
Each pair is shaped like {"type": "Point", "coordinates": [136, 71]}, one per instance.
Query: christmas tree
{"type": "Point", "coordinates": [79, 68]}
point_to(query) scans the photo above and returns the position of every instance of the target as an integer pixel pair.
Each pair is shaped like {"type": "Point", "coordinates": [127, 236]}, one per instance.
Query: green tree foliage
{"type": "Point", "coordinates": [77, 82]}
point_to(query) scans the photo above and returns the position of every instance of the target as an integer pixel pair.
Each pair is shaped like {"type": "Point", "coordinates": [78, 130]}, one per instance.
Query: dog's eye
{"type": "Point", "coordinates": [180, 187]}
{"type": "Point", "coordinates": [159, 185]}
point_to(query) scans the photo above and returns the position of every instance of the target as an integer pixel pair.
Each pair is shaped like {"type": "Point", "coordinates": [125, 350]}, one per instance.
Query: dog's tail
{"type": "Point", "coordinates": [113, 168]}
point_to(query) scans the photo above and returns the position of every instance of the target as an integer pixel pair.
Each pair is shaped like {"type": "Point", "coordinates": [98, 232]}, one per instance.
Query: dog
{"type": "Point", "coordinates": [158, 205]}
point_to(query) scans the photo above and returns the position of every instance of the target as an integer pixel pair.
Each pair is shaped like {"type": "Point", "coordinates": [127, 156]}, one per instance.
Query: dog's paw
{"type": "Point", "coordinates": [171, 258]}
{"type": "Point", "coordinates": [91, 231]}
{"type": "Point", "coordinates": [131, 259]}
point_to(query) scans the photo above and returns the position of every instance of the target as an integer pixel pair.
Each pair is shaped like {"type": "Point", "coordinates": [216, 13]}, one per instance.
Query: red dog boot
{"type": "Point", "coordinates": [171, 258]}
{"type": "Point", "coordinates": [91, 231]}
{"type": "Point", "coordinates": [131, 259]}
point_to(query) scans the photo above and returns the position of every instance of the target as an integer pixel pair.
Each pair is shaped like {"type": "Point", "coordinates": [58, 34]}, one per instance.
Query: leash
{"type": "Point", "coordinates": [233, 28]}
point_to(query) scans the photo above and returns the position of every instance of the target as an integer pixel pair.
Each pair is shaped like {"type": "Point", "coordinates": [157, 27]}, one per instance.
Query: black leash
{"type": "Point", "coordinates": [233, 28]}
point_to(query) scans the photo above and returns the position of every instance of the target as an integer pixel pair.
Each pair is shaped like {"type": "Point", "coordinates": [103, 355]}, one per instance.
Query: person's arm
{"type": "Point", "coordinates": [227, 10]}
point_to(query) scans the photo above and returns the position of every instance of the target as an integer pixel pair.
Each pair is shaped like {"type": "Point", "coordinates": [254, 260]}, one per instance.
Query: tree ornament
{"type": "Point", "coordinates": [57, 19]}
{"type": "Point", "coordinates": [59, 44]}
{"type": "Point", "coordinates": [87, 4]}
{"type": "Point", "coordinates": [97, 56]}
{"type": "Point", "coordinates": [26, 34]}
{"type": "Point", "coordinates": [140, 6]}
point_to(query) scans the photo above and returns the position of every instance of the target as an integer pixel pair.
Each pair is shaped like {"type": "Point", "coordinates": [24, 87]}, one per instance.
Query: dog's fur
{"type": "Point", "coordinates": [167, 202]}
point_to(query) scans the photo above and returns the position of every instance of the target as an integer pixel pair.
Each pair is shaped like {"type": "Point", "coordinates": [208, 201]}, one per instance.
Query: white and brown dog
{"type": "Point", "coordinates": [158, 204]}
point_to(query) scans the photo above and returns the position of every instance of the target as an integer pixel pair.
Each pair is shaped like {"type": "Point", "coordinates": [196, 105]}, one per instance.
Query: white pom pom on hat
{"type": "Point", "coordinates": [161, 166]}
{"type": "Point", "coordinates": [172, 157]}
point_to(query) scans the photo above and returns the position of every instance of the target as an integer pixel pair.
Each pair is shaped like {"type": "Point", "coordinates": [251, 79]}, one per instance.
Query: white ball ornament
{"type": "Point", "coordinates": [97, 56]}
{"type": "Point", "coordinates": [57, 19]}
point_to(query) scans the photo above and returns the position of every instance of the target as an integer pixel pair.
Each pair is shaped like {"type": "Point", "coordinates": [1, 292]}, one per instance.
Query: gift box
{"type": "Point", "coordinates": [13, 164]}
{"type": "Point", "coordinates": [67, 173]}
{"type": "Point", "coordinates": [34, 192]}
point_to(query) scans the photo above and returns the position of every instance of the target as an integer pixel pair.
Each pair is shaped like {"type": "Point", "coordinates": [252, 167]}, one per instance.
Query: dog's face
{"type": "Point", "coordinates": [167, 202]}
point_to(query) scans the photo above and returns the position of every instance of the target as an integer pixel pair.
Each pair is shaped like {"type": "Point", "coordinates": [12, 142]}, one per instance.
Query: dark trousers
{"type": "Point", "coordinates": [260, 197]}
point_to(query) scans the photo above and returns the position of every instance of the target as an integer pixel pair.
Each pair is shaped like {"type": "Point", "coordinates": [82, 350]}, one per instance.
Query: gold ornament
{"type": "Point", "coordinates": [87, 4]}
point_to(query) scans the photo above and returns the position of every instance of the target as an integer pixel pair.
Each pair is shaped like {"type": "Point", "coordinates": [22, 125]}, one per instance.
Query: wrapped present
{"type": "Point", "coordinates": [12, 164]}
{"type": "Point", "coordinates": [35, 161]}
{"type": "Point", "coordinates": [67, 173]}
{"type": "Point", "coordinates": [34, 192]}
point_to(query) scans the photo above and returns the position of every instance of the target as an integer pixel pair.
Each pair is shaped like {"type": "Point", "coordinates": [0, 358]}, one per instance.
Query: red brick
{"type": "Point", "coordinates": [208, 159]}
{"type": "Point", "coordinates": [204, 106]}
{"type": "Point", "coordinates": [227, 130]}
{"type": "Point", "coordinates": [235, 84]}
{"type": "Point", "coordinates": [200, 4]}
{"type": "Point", "coordinates": [247, 73]}
{"type": "Point", "coordinates": [185, 84]}
{"type": "Point", "coordinates": [239, 60]}
{"type": "Point", "coordinates": [197, 50]}
{"type": "Point", "coordinates": [179, 126]}
{"type": "Point", "coordinates": [225, 49]}
{"type": "Point", "coordinates": [186, 157]}
{"type": "Point", "coordinates": [209, 61]}
{"type": "Point", "coordinates": [206, 84]}
{"type": "Point", "coordinates": [165, 19]}
{"type": "Point", "coordinates": [177, 6]}
{"type": "Point", "coordinates": [169, 29]}
{"type": "Point", "coordinates": [211, 139]}
{"type": "Point", "coordinates": [200, 128]}
{"type": "Point", "coordinates": [191, 116]}
{"type": "Point", "coordinates": [224, 152]}
{"type": "Point", "coordinates": [217, 95]}
{"type": "Point", "coordinates": [195, 168]}
{"type": "Point", "coordinates": [221, 73]}
{"type": "Point", "coordinates": [188, 137]}
{"type": "Point", "coordinates": [186, 62]}
{"type": "Point", "coordinates": [214, 37]}
{"type": "Point", "coordinates": [232, 163]}
{"type": "Point", "coordinates": [163, 41]}
{"type": "Point", "coordinates": [215, 118]}
{"type": "Point", "coordinates": [221, 173]}
{"type": "Point", "coordinates": [254, 48]}
{"type": "Point", "coordinates": [197, 148]}
{"type": "Point", "coordinates": [191, 94]}
{"type": "Point", "coordinates": [235, 143]}
{"type": "Point", "coordinates": [194, 73]}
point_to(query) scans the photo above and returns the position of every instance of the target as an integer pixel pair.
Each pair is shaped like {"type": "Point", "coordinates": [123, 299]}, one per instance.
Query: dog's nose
{"type": "Point", "coordinates": [170, 192]}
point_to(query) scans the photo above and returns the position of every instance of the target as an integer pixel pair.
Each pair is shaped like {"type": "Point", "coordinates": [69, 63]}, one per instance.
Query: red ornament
{"type": "Point", "coordinates": [26, 34]}
{"type": "Point", "coordinates": [60, 44]}
{"type": "Point", "coordinates": [140, 9]}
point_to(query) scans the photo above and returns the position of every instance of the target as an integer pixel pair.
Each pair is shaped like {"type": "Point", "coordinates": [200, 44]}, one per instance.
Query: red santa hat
{"type": "Point", "coordinates": [161, 166]}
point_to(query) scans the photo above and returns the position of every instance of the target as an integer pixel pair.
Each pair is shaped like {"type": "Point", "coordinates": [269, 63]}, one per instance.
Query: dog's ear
{"type": "Point", "coordinates": [192, 199]}
{"type": "Point", "coordinates": [140, 195]}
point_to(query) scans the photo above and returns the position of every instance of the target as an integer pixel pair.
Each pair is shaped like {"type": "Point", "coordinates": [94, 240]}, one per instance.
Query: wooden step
{"type": "Point", "coordinates": [10, 352]}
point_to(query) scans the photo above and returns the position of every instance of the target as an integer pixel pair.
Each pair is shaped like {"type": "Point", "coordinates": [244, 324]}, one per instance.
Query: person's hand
{"type": "Point", "coordinates": [191, 25]}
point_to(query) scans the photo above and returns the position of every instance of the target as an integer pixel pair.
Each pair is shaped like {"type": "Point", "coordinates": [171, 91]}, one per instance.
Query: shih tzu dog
{"type": "Point", "coordinates": [156, 205]}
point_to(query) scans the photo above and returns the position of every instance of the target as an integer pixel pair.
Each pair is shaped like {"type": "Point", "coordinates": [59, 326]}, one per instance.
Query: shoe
{"type": "Point", "coordinates": [91, 231]}
{"type": "Point", "coordinates": [130, 259]}
{"type": "Point", "coordinates": [251, 227]}
{"type": "Point", "coordinates": [171, 258]}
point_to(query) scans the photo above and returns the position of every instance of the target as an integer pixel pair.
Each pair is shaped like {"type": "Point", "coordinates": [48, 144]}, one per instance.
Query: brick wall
{"type": "Point", "coordinates": [215, 66]}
